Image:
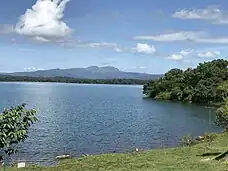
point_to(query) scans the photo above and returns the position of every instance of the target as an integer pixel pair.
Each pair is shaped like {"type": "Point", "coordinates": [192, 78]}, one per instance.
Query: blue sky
{"type": "Point", "coordinates": [137, 35]}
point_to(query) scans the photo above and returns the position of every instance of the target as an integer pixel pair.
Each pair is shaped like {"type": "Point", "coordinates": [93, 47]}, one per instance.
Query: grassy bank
{"type": "Point", "coordinates": [174, 159]}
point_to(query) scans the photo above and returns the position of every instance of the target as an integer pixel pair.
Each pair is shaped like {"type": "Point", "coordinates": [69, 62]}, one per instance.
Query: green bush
{"type": "Point", "coordinates": [14, 125]}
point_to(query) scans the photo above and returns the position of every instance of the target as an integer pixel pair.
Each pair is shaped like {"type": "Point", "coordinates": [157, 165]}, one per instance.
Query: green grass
{"type": "Point", "coordinates": [173, 159]}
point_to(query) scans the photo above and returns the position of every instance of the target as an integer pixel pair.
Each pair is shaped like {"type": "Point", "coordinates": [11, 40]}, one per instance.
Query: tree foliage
{"type": "Point", "coordinates": [223, 88]}
{"type": "Point", "coordinates": [14, 126]}
{"type": "Point", "coordinates": [207, 83]}
{"type": "Point", "coordinates": [222, 116]}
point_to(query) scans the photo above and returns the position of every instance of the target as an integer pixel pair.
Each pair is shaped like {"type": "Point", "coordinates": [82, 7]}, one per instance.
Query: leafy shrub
{"type": "Point", "coordinates": [14, 125]}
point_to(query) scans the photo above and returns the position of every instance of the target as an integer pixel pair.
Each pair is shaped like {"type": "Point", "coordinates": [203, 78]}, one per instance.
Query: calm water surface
{"type": "Point", "coordinates": [93, 119]}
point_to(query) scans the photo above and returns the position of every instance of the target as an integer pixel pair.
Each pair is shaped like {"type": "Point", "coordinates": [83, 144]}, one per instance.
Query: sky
{"type": "Point", "coordinates": [148, 36]}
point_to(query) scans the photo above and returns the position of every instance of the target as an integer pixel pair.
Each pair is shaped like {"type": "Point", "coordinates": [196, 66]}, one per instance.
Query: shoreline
{"type": "Point", "coordinates": [178, 158]}
{"type": "Point", "coordinates": [53, 161]}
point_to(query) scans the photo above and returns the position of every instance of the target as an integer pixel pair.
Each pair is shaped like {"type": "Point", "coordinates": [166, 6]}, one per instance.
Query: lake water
{"type": "Point", "coordinates": [94, 119]}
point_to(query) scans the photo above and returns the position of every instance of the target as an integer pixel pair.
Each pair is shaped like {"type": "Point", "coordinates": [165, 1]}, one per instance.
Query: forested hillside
{"type": "Point", "coordinates": [204, 84]}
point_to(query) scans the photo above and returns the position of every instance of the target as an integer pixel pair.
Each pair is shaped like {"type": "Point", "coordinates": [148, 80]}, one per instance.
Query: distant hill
{"type": "Point", "coordinates": [92, 72]}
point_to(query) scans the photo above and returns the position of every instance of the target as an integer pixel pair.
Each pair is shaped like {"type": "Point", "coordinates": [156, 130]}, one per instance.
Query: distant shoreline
{"type": "Point", "coordinates": [8, 78]}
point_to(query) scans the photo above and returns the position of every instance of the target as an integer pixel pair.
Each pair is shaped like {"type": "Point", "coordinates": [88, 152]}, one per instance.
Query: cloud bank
{"type": "Point", "coordinates": [210, 14]}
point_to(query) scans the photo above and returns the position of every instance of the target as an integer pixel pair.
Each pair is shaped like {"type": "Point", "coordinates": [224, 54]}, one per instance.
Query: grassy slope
{"type": "Point", "coordinates": [174, 159]}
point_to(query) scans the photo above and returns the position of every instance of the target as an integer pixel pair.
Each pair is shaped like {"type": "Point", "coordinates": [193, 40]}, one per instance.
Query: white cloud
{"type": "Point", "coordinates": [186, 52]}
{"type": "Point", "coordinates": [145, 48]}
{"type": "Point", "coordinates": [44, 23]}
{"type": "Point", "coordinates": [106, 45]}
{"type": "Point", "coordinates": [44, 20]}
{"type": "Point", "coordinates": [30, 69]}
{"type": "Point", "coordinates": [118, 49]}
{"type": "Point", "coordinates": [177, 36]}
{"type": "Point", "coordinates": [175, 57]}
{"type": "Point", "coordinates": [197, 37]}
{"type": "Point", "coordinates": [138, 67]}
{"type": "Point", "coordinates": [212, 40]}
{"type": "Point", "coordinates": [211, 14]}
{"type": "Point", "coordinates": [101, 45]}
{"type": "Point", "coordinates": [41, 39]}
{"type": "Point", "coordinates": [142, 67]}
{"type": "Point", "coordinates": [140, 47]}
{"type": "Point", "coordinates": [82, 44]}
{"type": "Point", "coordinates": [182, 54]}
{"type": "Point", "coordinates": [209, 54]}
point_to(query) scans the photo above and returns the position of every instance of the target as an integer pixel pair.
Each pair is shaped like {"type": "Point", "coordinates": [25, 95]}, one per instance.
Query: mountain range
{"type": "Point", "coordinates": [92, 72]}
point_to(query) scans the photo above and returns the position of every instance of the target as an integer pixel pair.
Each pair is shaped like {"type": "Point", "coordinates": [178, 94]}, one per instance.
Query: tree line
{"type": "Point", "coordinates": [207, 83]}
{"type": "Point", "coordinates": [9, 78]}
